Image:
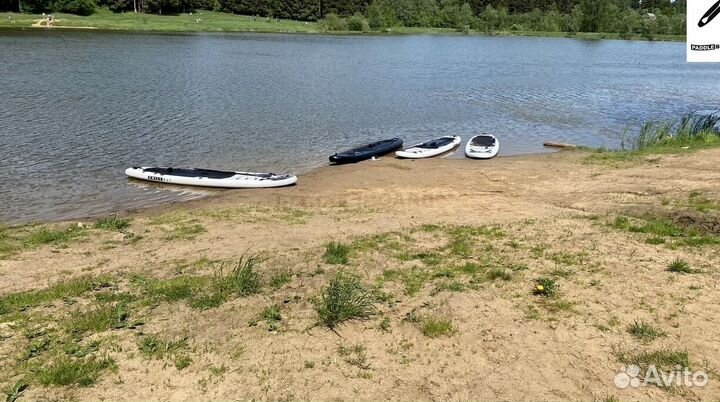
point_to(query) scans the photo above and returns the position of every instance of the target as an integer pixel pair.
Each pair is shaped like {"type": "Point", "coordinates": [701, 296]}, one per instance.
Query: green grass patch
{"type": "Point", "coordinates": [664, 360]}
{"type": "Point", "coordinates": [413, 279]}
{"type": "Point", "coordinates": [272, 317]}
{"type": "Point", "coordinates": [14, 302]}
{"type": "Point", "coordinates": [237, 278]}
{"type": "Point", "coordinates": [393, 241]}
{"type": "Point", "coordinates": [462, 238]}
{"type": "Point", "coordinates": [566, 258]}
{"type": "Point", "coordinates": [344, 299]}
{"type": "Point", "coordinates": [178, 288]}
{"type": "Point", "coordinates": [546, 287]}
{"type": "Point", "coordinates": [658, 227]}
{"type": "Point", "coordinates": [436, 327]}
{"type": "Point", "coordinates": [702, 204]}
{"type": "Point", "coordinates": [664, 231]}
{"type": "Point", "coordinates": [98, 319]}
{"type": "Point", "coordinates": [280, 278]}
{"type": "Point", "coordinates": [154, 347]}
{"type": "Point", "coordinates": [499, 274]}
{"type": "Point", "coordinates": [680, 266]}
{"type": "Point", "coordinates": [186, 231]}
{"type": "Point", "coordinates": [337, 253]}
{"type": "Point", "coordinates": [65, 371]}
{"type": "Point", "coordinates": [45, 236]}
{"type": "Point", "coordinates": [645, 331]}
{"type": "Point", "coordinates": [112, 223]}
{"type": "Point", "coordinates": [354, 355]}
{"type": "Point", "coordinates": [655, 240]}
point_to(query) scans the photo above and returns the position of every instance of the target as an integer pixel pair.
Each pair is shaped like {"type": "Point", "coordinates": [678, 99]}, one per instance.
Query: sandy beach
{"type": "Point", "coordinates": [522, 278]}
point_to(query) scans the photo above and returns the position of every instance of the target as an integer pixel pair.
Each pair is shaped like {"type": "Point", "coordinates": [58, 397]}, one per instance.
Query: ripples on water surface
{"type": "Point", "coordinates": [77, 108]}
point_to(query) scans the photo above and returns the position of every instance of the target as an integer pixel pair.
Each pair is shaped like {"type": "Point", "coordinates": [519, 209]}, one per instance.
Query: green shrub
{"type": "Point", "coordinates": [334, 23]}
{"type": "Point", "coordinates": [357, 23]}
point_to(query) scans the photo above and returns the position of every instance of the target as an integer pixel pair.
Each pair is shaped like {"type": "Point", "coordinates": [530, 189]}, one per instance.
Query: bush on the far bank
{"type": "Point", "coordinates": [79, 7]}
{"type": "Point", "coordinates": [332, 22]}
{"type": "Point", "coordinates": [357, 23]}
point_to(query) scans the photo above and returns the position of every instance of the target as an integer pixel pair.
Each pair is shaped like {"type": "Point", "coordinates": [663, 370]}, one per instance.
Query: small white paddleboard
{"type": "Point", "coordinates": [210, 178]}
{"type": "Point", "coordinates": [483, 146]}
{"type": "Point", "coordinates": [430, 148]}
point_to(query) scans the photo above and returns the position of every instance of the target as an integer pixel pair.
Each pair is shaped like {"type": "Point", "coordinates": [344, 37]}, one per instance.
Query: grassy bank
{"type": "Point", "coordinates": [691, 133]}
{"type": "Point", "coordinates": [210, 21]}
{"type": "Point", "coordinates": [204, 21]}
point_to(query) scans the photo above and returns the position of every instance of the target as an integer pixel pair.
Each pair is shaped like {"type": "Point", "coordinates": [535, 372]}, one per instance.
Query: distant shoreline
{"type": "Point", "coordinates": [214, 22]}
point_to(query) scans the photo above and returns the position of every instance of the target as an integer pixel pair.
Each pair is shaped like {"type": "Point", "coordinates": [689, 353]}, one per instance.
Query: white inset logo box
{"type": "Point", "coordinates": [703, 31]}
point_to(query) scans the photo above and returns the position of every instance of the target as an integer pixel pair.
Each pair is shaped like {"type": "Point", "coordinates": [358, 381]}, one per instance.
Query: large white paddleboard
{"type": "Point", "coordinates": [210, 178]}
{"type": "Point", "coordinates": [430, 148]}
{"type": "Point", "coordinates": [483, 146]}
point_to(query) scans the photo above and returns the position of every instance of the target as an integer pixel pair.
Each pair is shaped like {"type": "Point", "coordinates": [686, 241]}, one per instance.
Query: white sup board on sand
{"type": "Point", "coordinates": [484, 146]}
{"type": "Point", "coordinates": [210, 178]}
{"type": "Point", "coordinates": [430, 148]}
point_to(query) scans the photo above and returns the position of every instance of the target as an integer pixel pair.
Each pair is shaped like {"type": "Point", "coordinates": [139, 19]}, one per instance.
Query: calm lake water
{"type": "Point", "coordinates": [77, 108]}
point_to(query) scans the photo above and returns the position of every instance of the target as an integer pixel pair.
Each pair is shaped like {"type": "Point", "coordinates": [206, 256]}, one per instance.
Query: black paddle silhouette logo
{"type": "Point", "coordinates": [710, 14]}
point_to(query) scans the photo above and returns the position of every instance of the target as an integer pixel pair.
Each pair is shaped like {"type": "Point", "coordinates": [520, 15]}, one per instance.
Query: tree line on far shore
{"type": "Point", "coordinates": [624, 17]}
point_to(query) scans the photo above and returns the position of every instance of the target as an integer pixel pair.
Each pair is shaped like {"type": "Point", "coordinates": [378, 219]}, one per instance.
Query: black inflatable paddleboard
{"type": "Point", "coordinates": [362, 153]}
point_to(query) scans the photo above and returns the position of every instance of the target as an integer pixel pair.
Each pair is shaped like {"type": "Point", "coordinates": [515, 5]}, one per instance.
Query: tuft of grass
{"type": "Point", "coordinates": [413, 279]}
{"type": "Point", "coordinates": [644, 331]}
{"type": "Point", "coordinates": [185, 231]}
{"type": "Point", "coordinates": [547, 287]}
{"type": "Point", "coordinates": [680, 266]}
{"type": "Point", "coordinates": [435, 327]}
{"type": "Point", "coordinates": [280, 278]}
{"type": "Point", "coordinates": [113, 223]}
{"type": "Point", "coordinates": [344, 299]}
{"type": "Point", "coordinates": [182, 362]}
{"type": "Point", "coordinates": [337, 253]}
{"type": "Point", "coordinates": [14, 392]}
{"type": "Point", "coordinates": [152, 346]}
{"type": "Point", "coordinates": [385, 324]}
{"type": "Point", "coordinates": [664, 360]}
{"type": "Point", "coordinates": [499, 274]}
{"type": "Point", "coordinates": [62, 290]}
{"type": "Point", "coordinates": [355, 356]}
{"type": "Point", "coordinates": [272, 317]}
{"type": "Point", "coordinates": [70, 371]}
{"type": "Point", "coordinates": [242, 279]}
{"type": "Point", "coordinates": [99, 319]}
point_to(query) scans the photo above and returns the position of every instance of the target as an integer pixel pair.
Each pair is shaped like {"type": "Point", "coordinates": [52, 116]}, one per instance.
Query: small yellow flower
{"type": "Point", "coordinates": [540, 288]}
